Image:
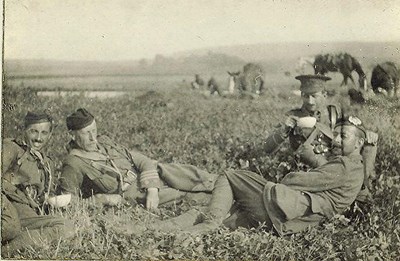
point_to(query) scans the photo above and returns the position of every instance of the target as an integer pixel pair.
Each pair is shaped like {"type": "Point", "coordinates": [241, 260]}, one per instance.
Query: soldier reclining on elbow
{"type": "Point", "coordinates": [99, 167]}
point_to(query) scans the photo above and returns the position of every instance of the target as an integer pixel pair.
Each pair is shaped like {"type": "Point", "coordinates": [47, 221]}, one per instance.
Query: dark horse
{"type": "Point", "coordinates": [385, 79]}
{"type": "Point", "coordinates": [343, 63]}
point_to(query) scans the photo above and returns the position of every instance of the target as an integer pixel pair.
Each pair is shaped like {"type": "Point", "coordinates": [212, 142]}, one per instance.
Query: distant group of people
{"type": "Point", "coordinates": [247, 84]}
{"type": "Point", "coordinates": [338, 152]}
{"type": "Point", "coordinates": [212, 85]}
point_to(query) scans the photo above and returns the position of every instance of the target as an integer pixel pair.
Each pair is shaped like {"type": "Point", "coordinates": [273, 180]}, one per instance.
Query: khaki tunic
{"type": "Point", "coordinates": [301, 200]}
{"type": "Point", "coordinates": [331, 189]}
{"type": "Point", "coordinates": [25, 180]}
{"type": "Point", "coordinates": [297, 137]}
{"type": "Point", "coordinates": [90, 173]}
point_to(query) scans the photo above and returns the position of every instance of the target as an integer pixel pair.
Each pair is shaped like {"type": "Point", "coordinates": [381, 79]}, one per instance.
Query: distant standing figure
{"type": "Point", "coordinates": [198, 82]}
{"type": "Point", "coordinates": [213, 86]}
{"type": "Point", "coordinates": [385, 79]}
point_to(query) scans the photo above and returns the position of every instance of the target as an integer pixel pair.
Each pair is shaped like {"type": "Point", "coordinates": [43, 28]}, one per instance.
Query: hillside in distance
{"type": "Point", "coordinates": [294, 50]}
{"type": "Point", "coordinates": [275, 57]}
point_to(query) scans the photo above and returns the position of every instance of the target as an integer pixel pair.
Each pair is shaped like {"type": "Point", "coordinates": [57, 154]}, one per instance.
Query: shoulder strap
{"type": "Point", "coordinates": [333, 115]}
{"type": "Point", "coordinates": [310, 138]}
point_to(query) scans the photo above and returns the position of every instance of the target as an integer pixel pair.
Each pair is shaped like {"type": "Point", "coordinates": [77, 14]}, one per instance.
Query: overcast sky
{"type": "Point", "coordinates": [133, 29]}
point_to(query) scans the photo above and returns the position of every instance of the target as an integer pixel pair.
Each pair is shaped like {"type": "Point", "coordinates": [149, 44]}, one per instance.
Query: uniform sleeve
{"type": "Point", "coordinates": [326, 177]}
{"type": "Point", "coordinates": [10, 155]}
{"type": "Point", "coordinates": [147, 169]}
{"type": "Point", "coordinates": [70, 179]}
{"type": "Point", "coordinates": [273, 141]}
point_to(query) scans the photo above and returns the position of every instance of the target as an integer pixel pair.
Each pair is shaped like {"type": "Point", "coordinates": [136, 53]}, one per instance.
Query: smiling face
{"type": "Point", "coordinates": [86, 138]}
{"type": "Point", "coordinates": [348, 140]}
{"type": "Point", "coordinates": [37, 135]}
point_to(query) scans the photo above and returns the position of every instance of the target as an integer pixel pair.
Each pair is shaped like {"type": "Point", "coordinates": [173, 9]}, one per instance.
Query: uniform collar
{"type": "Point", "coordinates": [74, 149]}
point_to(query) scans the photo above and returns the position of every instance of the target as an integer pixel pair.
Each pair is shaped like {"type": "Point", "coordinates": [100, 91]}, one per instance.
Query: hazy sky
{"type": "Point", "coordinates": [132, 29]}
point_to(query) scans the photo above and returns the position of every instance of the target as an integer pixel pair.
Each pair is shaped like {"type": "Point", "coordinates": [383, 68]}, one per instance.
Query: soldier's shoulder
{"type": "Point", "coordinates": [10, 142]}
{"type": "Point", "coordinates": [349, 163]}
{"type": "Point", "coordinates": [11, 146]}
{"type": "Point", "coordinates": [72, 160]}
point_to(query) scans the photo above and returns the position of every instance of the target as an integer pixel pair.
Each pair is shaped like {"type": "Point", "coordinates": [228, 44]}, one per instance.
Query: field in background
{"type": "Point", "coordinates": [165, 120]}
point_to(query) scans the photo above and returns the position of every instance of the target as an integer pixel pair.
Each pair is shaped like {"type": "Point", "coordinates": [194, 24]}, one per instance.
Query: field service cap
{"type": "Point", "coordinates": [312, 83]}
{"type": "Point", "coordinates": [352, 121]}
{"type": "Point", "coordinates": [79, 119]}
{"type": "Point", "coordinates": [33, 118]}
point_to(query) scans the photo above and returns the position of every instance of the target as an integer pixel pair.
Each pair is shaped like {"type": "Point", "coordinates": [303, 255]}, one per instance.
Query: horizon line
{"type": "Point", "coordinates": [199, 49]}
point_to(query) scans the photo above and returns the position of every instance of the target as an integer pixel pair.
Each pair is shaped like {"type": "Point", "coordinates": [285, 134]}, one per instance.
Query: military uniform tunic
{"type": "Point", "coordinates": [316, 151]}
{"type": "Point", "coordinates": [26, 177]}
{"type": "Point", "coordinates": [302, 199]}
{"type": "Point", "coordinates": [115, 170]}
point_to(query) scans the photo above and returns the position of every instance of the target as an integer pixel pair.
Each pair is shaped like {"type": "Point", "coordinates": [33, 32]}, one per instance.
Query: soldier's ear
{"type": "Point", "coordinates": [360, 143]}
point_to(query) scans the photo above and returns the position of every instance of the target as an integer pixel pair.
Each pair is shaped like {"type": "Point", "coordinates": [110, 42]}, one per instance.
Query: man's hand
{"type": "Point", "coordinates": [290, 123]}
{"type": "Point", "coordinates": [152, 198]}
{"type": "Point", "coordinates": [372, 137]}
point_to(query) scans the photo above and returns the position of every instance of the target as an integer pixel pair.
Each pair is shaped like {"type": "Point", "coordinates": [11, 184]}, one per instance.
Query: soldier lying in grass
{"type": "Point", "coordinates": [301, 200]}
{"type": "Point", "coordinates": [98, 167]}
{"type": "Point", "coordinates": [26, 184]}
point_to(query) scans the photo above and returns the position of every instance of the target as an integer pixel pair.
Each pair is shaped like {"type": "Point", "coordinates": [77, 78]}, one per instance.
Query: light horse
{"type": "Point", "coordinates": [343, 63]}
{"type": "Point", "coordinates": [304, 62]}
{"type": "Point", "coordinates": [249, 83]}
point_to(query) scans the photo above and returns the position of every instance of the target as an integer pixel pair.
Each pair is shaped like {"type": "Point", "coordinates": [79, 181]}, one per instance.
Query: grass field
{"type": "Point", "coordinates": [173, 124]}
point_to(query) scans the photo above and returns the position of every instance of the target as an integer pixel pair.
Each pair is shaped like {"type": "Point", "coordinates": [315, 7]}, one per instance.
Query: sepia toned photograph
{"type": "Point", "coordinates": [200, 130]}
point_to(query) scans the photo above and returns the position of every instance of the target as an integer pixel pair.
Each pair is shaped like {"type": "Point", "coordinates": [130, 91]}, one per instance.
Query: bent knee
{"type": "Point", "coordinates": [10, 229]}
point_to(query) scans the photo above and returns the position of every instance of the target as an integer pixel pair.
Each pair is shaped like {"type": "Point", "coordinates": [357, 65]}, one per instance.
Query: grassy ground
{"type": "Point", "coordinates": [213, 133]}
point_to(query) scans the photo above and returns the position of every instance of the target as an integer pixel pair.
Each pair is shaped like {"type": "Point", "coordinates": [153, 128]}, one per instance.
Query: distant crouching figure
{"type": "Point", "coordinates": [198, 82]}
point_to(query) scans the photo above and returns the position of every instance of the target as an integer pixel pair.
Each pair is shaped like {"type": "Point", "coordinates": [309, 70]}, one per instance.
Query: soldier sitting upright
{"type": "Point", "coordinates": [27, 179]}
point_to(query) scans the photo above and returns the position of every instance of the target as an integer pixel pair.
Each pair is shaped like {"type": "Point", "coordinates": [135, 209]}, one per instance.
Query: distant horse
{"type": "Point", "coordinates": [385, 79]}
{"type": "Point", "coordinates": [198, 82]}
{"type": "Point", "coordinates": [343, 63]}
{"type": "Point", "coordinates": [249, 82]}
